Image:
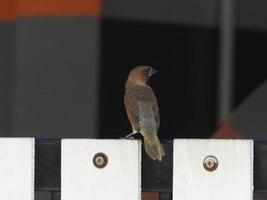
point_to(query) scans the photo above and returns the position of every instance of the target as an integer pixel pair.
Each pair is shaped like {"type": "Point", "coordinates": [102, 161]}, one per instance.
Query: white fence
{"type": "Point", "coordinates": [111, 169]}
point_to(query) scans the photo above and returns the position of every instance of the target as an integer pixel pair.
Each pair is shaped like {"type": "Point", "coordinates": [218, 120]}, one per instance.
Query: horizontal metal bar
{"type": "Point", "coordinates": [156, 176]}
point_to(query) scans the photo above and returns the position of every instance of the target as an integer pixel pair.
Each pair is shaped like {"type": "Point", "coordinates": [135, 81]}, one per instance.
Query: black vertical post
{"type": "Point", "coordinates": [225, 71]}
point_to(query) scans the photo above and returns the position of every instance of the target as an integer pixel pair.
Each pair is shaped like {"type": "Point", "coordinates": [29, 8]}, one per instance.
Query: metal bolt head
{"type": "Point", "coordinates": [100, 160]}
{"type": "Point", "coordinates": [210, 163]}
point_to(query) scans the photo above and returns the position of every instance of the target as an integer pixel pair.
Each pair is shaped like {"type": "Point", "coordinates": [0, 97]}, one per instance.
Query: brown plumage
{"type": "Point", "coordinates": [142, 109]}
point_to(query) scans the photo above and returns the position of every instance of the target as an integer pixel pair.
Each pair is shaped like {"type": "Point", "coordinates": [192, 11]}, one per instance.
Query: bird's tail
{"type": "Point", "coordinates": [153, 146]}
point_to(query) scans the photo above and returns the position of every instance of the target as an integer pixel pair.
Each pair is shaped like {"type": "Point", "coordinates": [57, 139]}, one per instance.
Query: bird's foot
{"type": "Point", "coordinates": [128, 136]}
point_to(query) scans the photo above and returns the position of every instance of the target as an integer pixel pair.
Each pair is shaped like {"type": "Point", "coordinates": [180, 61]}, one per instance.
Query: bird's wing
{"type": "Point", "coordinates": [147, 120]}
{"type": "Point", "coordinates": [141, 105]}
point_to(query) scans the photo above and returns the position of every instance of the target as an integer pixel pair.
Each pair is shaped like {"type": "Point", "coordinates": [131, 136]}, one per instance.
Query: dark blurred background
{"type": "Point", "coordinates": [64, 63]}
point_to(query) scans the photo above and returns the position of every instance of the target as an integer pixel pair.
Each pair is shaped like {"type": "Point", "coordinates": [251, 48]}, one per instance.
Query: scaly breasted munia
{"type": "Point", "coordinates": [142, 109]}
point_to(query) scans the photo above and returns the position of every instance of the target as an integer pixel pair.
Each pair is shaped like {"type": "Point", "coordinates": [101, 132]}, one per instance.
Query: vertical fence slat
{"type": "Point", "coordinates": [17, 168]}
{"type": "Point", "coordinates": [119, 180]}
{"type": "Point", "coordinates": [232, 180]}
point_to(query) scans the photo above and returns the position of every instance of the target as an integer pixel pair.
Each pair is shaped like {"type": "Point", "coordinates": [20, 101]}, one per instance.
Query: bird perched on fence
{"type": "Point", "coordinates": [142, 109]}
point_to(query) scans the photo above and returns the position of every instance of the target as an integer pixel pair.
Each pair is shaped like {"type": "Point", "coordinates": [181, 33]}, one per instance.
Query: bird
{"type": "Point", "coordinates": [142, 109]}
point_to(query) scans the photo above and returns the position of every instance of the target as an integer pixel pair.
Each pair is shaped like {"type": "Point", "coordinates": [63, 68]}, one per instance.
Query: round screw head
{"type": "Point", "coordinates": [100, 160]}
{"type": "Point", "coordinates": [210, 163]}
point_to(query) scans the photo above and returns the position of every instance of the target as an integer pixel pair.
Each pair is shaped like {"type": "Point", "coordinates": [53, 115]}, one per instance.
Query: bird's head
{"type": "Point", "coordinates": [141, 74]}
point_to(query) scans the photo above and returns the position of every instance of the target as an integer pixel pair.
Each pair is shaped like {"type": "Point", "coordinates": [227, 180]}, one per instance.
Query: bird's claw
{"type": "Point", "coordinates": [129, 136]}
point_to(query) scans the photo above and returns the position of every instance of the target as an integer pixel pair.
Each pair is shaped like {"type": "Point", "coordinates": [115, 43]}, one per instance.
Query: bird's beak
{"type": "Point", "coordinates": [152, 71]}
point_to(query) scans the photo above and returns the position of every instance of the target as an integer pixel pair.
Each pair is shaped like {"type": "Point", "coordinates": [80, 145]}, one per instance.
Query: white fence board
{"type": "Point", "coordinates": [232, 180]}
{"type": "Point", "coordinates": [16, 168]}
{"type": "Point", "coordinates": [119, 180]}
